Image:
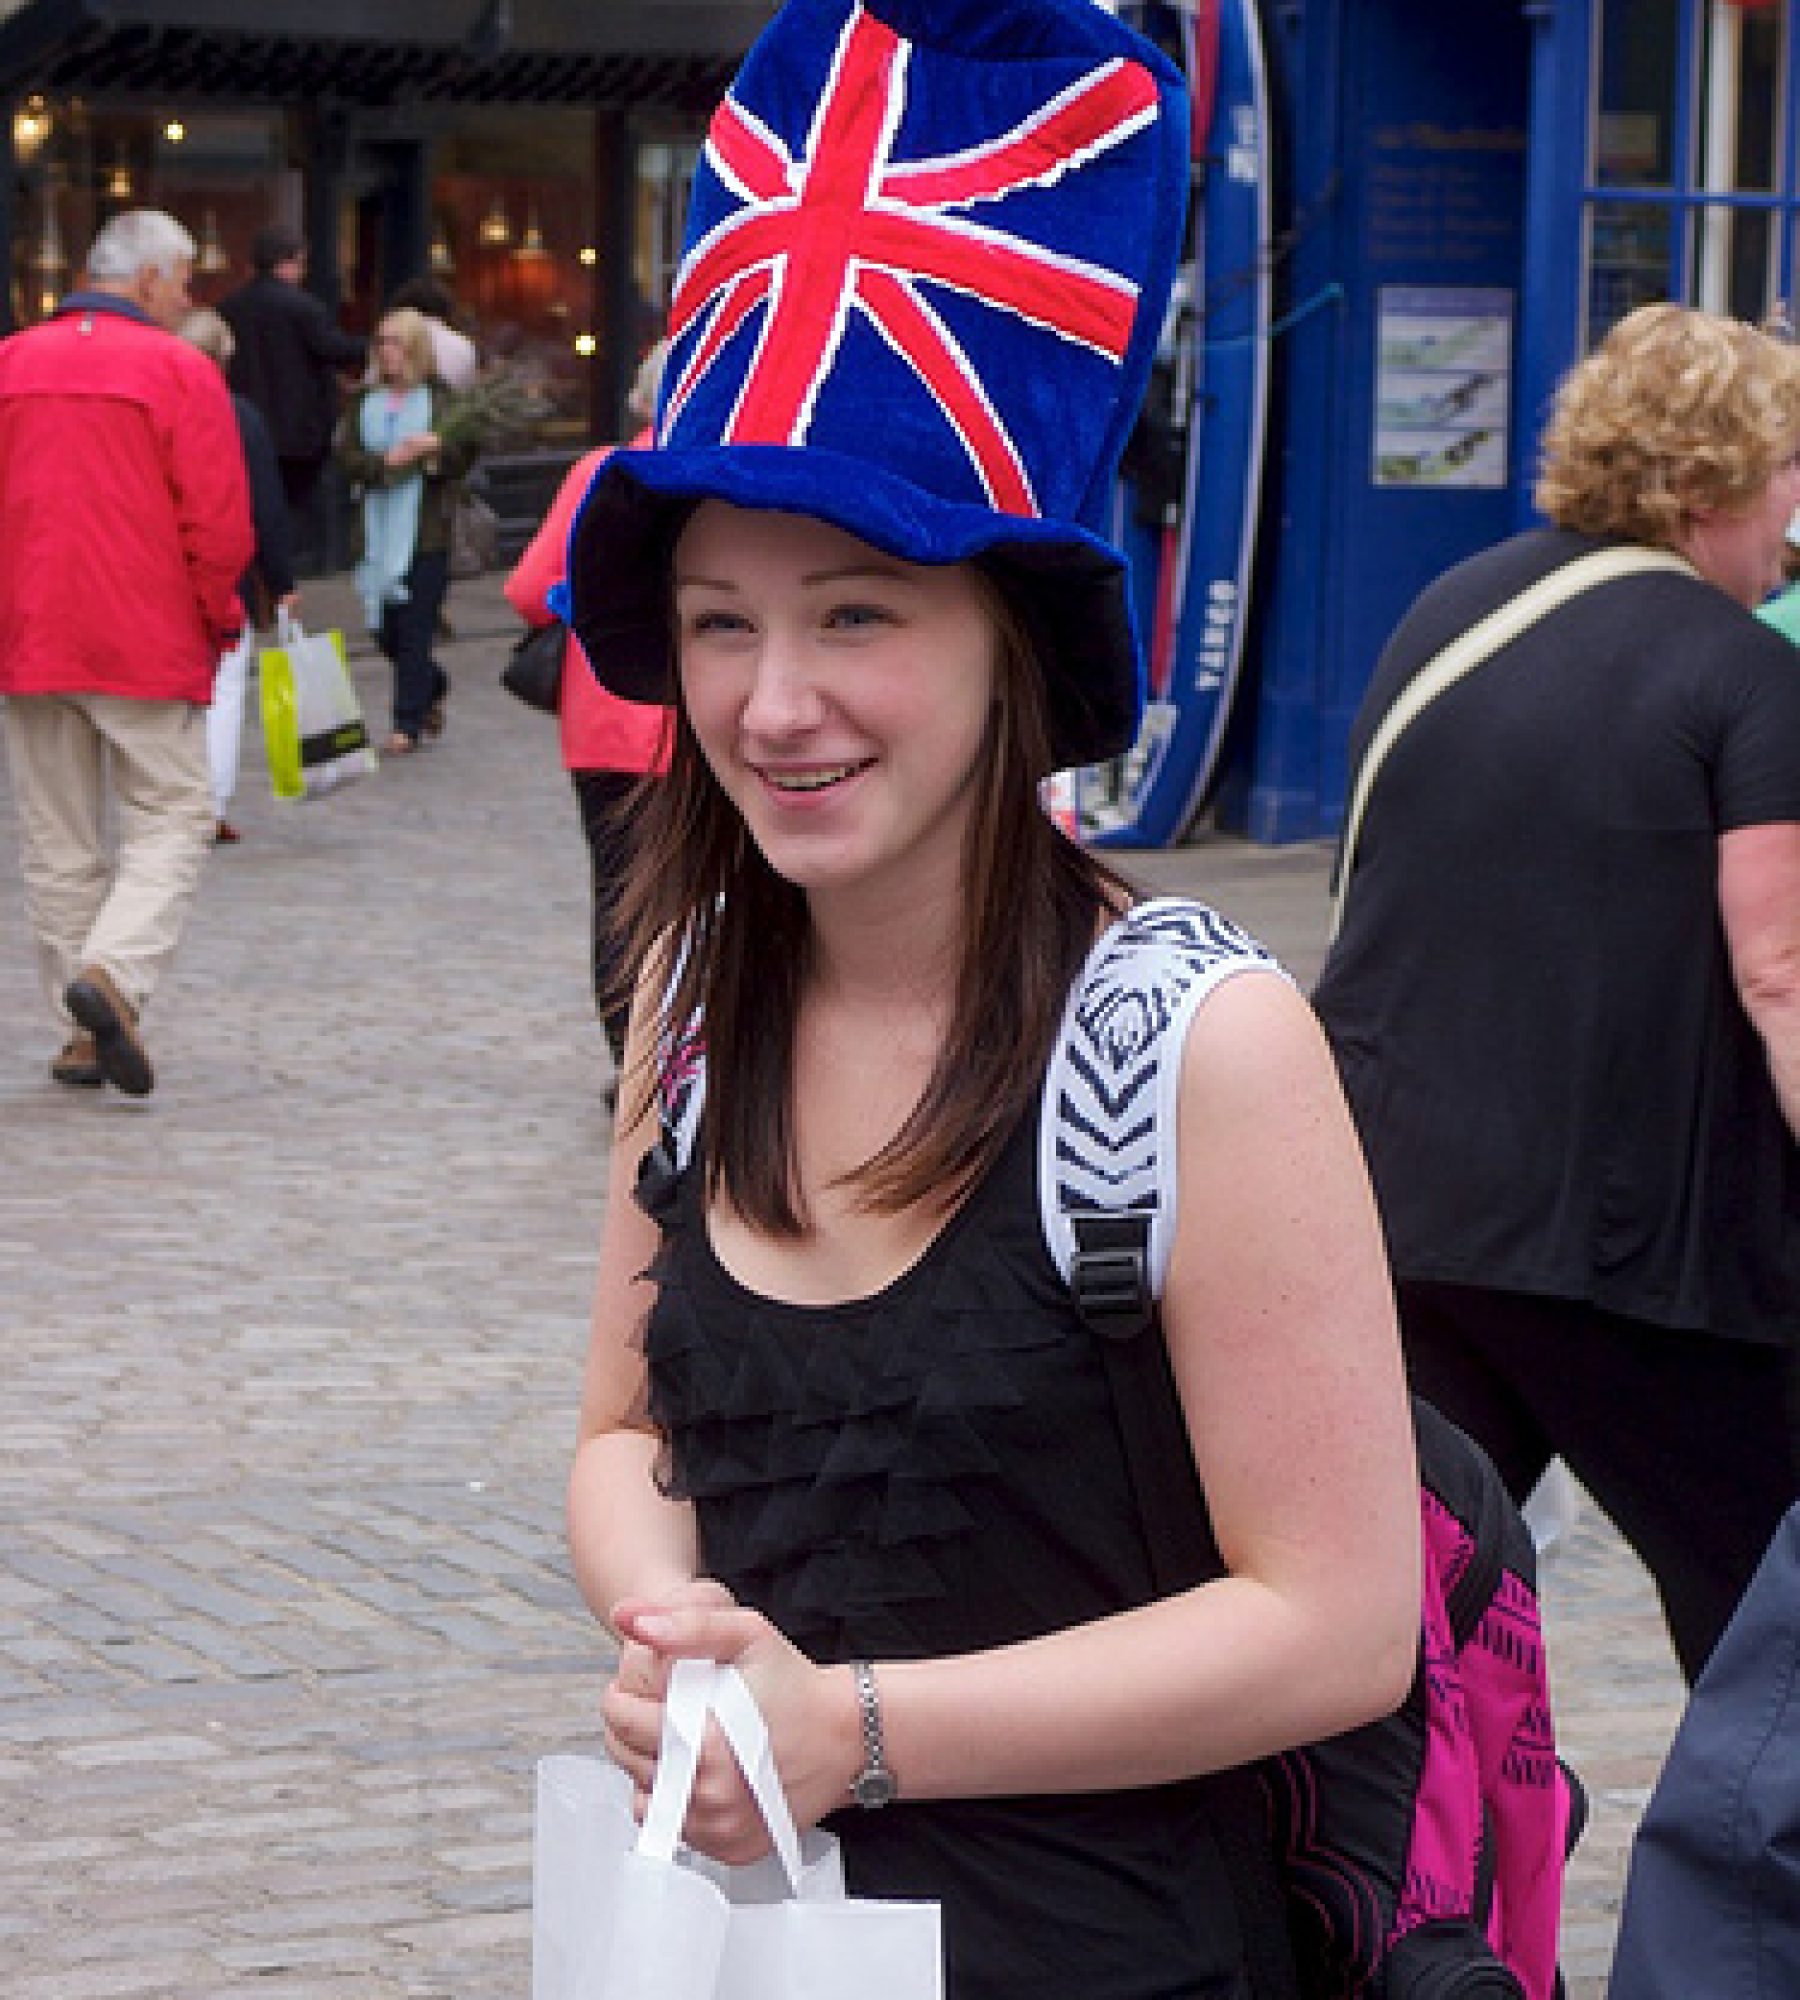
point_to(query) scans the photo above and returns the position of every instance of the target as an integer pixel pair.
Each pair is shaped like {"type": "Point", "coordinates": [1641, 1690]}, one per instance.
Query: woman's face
{"type": "Point", "coordinates": [841, 696]}
{"type": "Point", "coordinates": [1743, 550]}
{"type": "Point", "coordinates": [391, 357]}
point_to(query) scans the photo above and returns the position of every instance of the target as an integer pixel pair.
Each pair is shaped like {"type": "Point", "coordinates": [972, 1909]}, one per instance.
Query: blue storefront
{"type": "Point", "coordinates": [1467, 197]}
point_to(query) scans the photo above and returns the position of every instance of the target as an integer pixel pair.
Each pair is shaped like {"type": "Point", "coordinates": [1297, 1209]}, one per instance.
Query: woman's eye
{"type": "Point", "coordinates": [855, 617]}
{"type": "Point", "coordinates": [704, 624]}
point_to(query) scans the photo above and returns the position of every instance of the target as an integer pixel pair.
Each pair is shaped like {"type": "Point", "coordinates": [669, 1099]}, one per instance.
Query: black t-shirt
{"type": "Point", "coordinates": [1530, 997]}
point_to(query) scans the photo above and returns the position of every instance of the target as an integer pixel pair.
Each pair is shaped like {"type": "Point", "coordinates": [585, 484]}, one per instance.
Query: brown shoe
{"type": "Point", "coordinates": [99, 1007]}
{"type": "Point", "coordinates": [78, 1065]}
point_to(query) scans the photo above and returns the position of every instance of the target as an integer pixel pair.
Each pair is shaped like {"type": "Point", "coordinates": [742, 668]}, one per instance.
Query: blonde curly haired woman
{"type": "Point", "coordinates": [1565, 997]}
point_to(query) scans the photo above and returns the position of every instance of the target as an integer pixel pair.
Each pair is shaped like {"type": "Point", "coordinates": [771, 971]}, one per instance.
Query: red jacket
{"type": "Point", "coordinates": [599, 731]}
{"type": "Point", "coordinates": [124, 509]}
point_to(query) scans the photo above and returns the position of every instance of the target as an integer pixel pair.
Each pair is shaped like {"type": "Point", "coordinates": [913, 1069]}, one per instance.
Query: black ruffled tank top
{"type": "Point", "coordinates": [931, 1471]}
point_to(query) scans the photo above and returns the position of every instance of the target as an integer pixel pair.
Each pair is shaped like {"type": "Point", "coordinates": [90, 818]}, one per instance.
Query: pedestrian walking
{"type": "Point", "coordinates": [405, 447]}
{"type": "Point", "coordinates": [843, 1426]}
{"type": "Point", "coordinates": [266, 587]}
{"type": "Point", "coordinates": [289, 361]}
{"type": "Point", "coordinates": [126, 526]}
{"type": "Point", "coordinates": [1565, 996]}
{"type": "Point", "coordinates": [607, 744]}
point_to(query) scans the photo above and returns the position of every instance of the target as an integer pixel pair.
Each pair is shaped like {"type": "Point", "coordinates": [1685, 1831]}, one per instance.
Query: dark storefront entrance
{"type": "Point", "coordinates": [531, 155]}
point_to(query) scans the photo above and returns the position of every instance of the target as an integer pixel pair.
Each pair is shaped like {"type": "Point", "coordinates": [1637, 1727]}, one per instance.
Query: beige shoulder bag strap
{"type": "Point", "coordinates": [1465, 653]}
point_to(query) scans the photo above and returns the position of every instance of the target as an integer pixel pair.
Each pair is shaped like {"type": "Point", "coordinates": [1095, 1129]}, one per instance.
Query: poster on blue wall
{"type": "Point", "coordinates": [1443, 371]}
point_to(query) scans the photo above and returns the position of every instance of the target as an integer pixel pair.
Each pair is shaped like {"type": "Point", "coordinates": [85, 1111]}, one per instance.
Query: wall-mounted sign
{"type": "Point", "coordinates": [1443, 385]}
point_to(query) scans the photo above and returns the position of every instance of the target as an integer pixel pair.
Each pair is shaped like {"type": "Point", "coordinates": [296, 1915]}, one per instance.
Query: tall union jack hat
{"type": "Point", "coordinates": [929, 250]}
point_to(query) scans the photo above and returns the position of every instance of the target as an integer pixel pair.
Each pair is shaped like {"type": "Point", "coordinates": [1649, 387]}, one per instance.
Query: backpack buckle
{"type": "Point", "coordinates": [1109, 1274]}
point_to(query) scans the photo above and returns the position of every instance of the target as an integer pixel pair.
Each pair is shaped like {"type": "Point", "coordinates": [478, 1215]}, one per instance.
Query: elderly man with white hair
{"type": "Point", "coordinates": [124, 526]}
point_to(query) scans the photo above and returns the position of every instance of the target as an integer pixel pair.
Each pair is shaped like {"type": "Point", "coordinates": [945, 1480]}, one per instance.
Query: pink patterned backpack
{"type": "Point", "coordinates": [1420, 1857]}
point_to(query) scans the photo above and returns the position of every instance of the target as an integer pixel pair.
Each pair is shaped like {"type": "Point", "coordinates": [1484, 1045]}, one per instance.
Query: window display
{"type": "Point", "coordinates": [1690, 118]}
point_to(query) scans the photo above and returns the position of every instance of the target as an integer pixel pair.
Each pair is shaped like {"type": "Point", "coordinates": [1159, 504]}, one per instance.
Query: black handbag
{"type": "Point", "coordinates": [534, 669]}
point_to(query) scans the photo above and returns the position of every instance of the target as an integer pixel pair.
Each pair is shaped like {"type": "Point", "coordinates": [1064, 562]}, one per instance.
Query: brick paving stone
{"type": "Point", "coordinates": [140, 1979]}
{"type": "Point", "coordinates": [289, 1359]}
{"type": "Point", "coordinates": [139, 1748]}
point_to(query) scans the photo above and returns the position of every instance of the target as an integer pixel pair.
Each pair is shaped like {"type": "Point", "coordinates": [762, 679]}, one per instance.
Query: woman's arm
{"type": "Point", "coordinates": [1759, 903]}
{"type": "Point", "coordinates": [1280, 1320]}
{"type": "Point", "coordinates": [626, 1538]}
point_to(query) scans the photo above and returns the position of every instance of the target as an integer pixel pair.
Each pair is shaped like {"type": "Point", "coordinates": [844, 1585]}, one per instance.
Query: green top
{"type": "Point", "coordinates": [1783, 612]}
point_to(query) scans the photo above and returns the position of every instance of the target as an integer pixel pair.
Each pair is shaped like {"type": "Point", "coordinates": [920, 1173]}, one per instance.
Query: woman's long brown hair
{"type": "Point", "coordinates": [728, 941]}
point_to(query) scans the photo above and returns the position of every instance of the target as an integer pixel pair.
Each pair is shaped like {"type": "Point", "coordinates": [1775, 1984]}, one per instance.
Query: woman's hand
{"type": "Point", "coordinates": [814, 1723]}
{"type": "Point", "coordinates": [632, 1706]}
{"type": "Point", "coordinates": [409, 450]}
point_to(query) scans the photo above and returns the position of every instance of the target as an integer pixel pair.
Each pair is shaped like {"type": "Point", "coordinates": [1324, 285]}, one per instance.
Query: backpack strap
{"type": "Point", "coordinates": [1107, 1166]}
{"type": "Point", "coordinates": [1108, 1185]}
{"type": "Point", "coordinates": [1107, 1198]}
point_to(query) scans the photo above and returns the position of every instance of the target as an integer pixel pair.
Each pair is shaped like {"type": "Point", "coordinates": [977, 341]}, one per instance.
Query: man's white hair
{"type": "Point", "coordinates": [142, 239]}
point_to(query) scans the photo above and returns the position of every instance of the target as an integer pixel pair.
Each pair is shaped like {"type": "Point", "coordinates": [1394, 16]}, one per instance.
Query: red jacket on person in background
{"type": "Point", "coordinates": [600, 732]}
{"type": "Point", "coordinates": [124, 509]}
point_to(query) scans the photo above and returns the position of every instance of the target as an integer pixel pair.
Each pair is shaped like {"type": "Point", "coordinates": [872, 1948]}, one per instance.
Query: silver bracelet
{"type": "Point", "coordinates": [874, 1785]}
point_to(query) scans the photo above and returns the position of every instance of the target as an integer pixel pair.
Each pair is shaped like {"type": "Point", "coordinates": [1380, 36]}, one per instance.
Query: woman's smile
{"type": "Point", "coordinates": [817, 778]}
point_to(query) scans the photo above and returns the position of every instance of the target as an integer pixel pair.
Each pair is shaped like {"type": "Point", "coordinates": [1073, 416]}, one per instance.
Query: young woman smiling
{"type": "Point", "coordinates": [842, 1425]}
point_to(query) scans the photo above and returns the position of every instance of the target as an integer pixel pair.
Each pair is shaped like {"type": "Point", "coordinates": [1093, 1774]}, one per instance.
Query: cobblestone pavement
{"type": "Point", "coordinates": [288, 1364]}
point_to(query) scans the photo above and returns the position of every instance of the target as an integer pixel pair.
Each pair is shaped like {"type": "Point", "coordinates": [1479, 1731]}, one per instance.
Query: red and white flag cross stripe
{"type": "Point", "coordinates": [846, 226]}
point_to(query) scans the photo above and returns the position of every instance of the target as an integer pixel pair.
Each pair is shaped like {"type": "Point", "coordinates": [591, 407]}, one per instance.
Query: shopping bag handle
{"type": "Point", "coordinates": [699, 1689]}
{"type": "Point", "coordinates": [288, 629]}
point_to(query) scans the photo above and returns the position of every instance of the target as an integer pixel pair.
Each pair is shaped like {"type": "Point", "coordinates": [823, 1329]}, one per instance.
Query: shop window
{"type": "Point", "coordinates": [1690, 121]}
{"type": "Point", "coordinates": [1628, 261]}
{"type": "Point", "coordinates": [1739, 97]}
{"type": "Point", "coordinates": [1736, 265]}
{"type": "Point", "coordinates": [1740, 119]}
{"type": "Point", "coordinates": [222, 175]}
{"type": "Point", "coordinates": [514, 241]}
{"type": "Point", "coordinates": [1636, 67]}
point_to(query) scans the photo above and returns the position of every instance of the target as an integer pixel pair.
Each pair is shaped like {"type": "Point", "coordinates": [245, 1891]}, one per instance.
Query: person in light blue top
{"type": "Point", "coordinates": [406, 447]}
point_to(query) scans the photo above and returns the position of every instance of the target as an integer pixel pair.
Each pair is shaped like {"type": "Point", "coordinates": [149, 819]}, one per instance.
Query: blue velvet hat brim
{"type": "Point", "coordinates": [1067, 586]}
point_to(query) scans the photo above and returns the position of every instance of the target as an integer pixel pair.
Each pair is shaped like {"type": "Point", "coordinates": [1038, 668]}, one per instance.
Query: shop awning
{"type": "Point", "coordinates": [597, 52]}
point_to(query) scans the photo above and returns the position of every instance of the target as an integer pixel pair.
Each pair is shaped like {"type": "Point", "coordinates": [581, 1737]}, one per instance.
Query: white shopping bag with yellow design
{"type": "Point", "coordinates": [313, 728]}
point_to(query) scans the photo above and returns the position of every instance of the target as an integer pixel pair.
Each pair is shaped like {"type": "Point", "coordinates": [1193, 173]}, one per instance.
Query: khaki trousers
{"type": "Point", "coordinates": [124, 911]}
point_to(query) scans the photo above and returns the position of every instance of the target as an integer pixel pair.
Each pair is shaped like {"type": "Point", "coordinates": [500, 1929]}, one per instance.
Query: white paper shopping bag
{"type": "Point", "coordinates": [620, 1913]}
